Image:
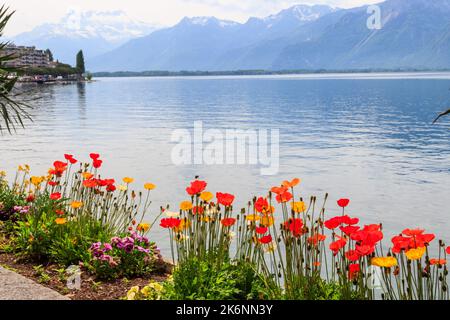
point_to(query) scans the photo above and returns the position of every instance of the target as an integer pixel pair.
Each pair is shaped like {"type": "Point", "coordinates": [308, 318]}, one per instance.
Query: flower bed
{"type": "Point", "coordinates": [73, 217]}
{"type": "Point", "coordinates": [278, 247]}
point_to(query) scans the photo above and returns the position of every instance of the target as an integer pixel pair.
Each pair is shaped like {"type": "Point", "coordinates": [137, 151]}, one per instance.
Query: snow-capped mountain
{"type": "Point", "coordinates": [200, 42]}
{"type": "Point", "coordinates": [94, 32]}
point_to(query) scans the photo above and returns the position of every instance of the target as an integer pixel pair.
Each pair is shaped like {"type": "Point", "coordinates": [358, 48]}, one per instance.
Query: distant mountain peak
{"type": "Point", "coordinates": [207, 20]}
{"type": "Point", "coordinates": [96, 32]}
{"type": "Point", "coordinates": [302, 12]}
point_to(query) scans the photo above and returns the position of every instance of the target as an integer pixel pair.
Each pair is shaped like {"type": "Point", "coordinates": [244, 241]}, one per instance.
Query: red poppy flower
{"type": "Point", "coordinates": [266, 239]}
{"type": "Point", "coordinates": [369, 235]}
{"type": "Point", "coordinates": [348, 230]}
{"type": "Point", "coordinates": [350, 221]}
{"type": "Point", "coordinates": [170, 223]}
{"type": "Point", "coordinates": [353, 270]}
{"type": "Point", "coordinates": [333, 223]}
{"type": "Point", "coordinates": [284, 197]}
{"type": "Point", "coordinates": [30, 198]}
{"type": "Point", "coordinates": [60, 165]}
{"type": "Point", "coordinates": [59, 168]}
{"type": "Point", "coordinates": [97, 163]}
{"type": "Point", "coordinates": [94, 156]}
{"type": "Point", "coordinates": [197, 186]}
{"type": "Point", "coordinates": [53, 183]}
{"type": "Point", "coordinates": [413, 232]}
{"type": "Point", "coordinates": [197, 210]}
{"type": "Point", "coordinates": [352, 255]}
{"type": "Point", "coordinates": [295, 226]}
{"type": "Point", "coordinates": [55, 196]}
{"type": "Point", "coordinates": [343, 202]}
{"type": "Point", "coordinates": [110, 188]}
{"type": "Point", "coordinates": [70, 158]}
{"type": "Point", "coordinates": [364, 250]}
{"type": "Point", "coordinates": [438, 262]}
{"type": "Point", "coordinates": [90, 183]}
{"type": "Point", "coordinates": [261, 230]}
{"type": "Point", "coordinates": [411, 239]}
{"type": "Point", "coordinates": [337, 245]}
{"type": "Point", "coordinates": [225, 199]}
{"type": "Point", "coordinates": [261, 204]}
{"type": "Point", "coordinates": [315, 239]}
{"type": "Point", "coordinates": [59, 212]}
{"type": "Point", "coordinates": [228, 222]}
{"type": "Point", "coordinates": [447, 250]}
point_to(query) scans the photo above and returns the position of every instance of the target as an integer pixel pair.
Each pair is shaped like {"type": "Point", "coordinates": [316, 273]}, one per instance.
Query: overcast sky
{"type": "Point", "coordinates": [30, 13]}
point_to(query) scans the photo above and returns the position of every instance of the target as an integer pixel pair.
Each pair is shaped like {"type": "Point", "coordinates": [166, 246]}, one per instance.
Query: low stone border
{"type": "Point", "coordinates": [13, 286]}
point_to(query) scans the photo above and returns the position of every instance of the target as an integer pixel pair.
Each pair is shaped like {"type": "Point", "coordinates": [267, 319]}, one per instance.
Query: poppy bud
{"type": "Point", "coordinates": [444, 288]}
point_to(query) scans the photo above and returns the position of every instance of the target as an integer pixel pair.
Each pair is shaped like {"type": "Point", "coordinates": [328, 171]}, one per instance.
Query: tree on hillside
{"type": "Point", "coordinates": [50, 54]}
{"type": "Point", "coordinates": [12, 112]}
{"type": "Point", "coordinates": [80, 62]}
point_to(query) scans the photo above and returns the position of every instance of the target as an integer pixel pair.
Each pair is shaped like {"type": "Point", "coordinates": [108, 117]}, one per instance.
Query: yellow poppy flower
{"type": "Point", "coordinates": [186, 205]}
{"type": "Point", "coordinates": [208, 219]}
{"type": "Point", "coordinates": [206, 196]}
{"type": "Point", "coordinates": [385, 262]}
{"type": "Point", "coordinates": [415, 254]}
{"type": "Point", "coordinates": [184, 224]}
{"type": "Point", "coordinates": [2, 173]}
{"type": "Point", "coordinates": [60, 220]}
{"type": "Point", "coordinates": [270, 247]}
{"type": "Point", "coordinates": [128, 180]}
{"type": "Point", "coordinates": [298, 207]}
{"type": "Point", "coordinates": [36, 181]}
{"type": "Point", "coordinates": [144, 227]}
{"type": "Point", "coordinates": [149, 186]}
{"type": "Point", "coordinates": [76, 204]}
{"type": "Point", "coordinates": [252, 217]}
{"type": "Point", "coordinates": [87, 175]}
{"type": "Point", "coordinates": [267, 221]}
{"type": "Point", "coordinates": [122, 187]}
{"type": "Point", "coordinates": [267, 211]}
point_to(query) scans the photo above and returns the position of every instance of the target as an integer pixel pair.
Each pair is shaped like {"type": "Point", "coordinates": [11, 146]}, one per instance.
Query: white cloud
{"type": "Point", "coordinates": [30, 13]}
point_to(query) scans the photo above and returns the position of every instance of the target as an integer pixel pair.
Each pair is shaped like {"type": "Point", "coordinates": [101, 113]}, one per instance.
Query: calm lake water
{"type": "Point", "coordinates": [365, 137]}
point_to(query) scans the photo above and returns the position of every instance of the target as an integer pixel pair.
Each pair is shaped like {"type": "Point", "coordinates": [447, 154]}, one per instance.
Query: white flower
{"type": "Point", "coordinates": [270, 247]}
{"type": "Point", "coordinates": [172, 214]}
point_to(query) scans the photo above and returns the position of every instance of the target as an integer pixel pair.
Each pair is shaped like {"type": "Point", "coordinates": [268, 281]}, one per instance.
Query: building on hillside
{"type": "Point", "coordinates": [27, 57]}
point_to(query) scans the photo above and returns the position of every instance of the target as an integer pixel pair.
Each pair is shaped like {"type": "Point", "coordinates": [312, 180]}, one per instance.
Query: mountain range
{"type": "Point", "coordinates": [94, 32]}
{"type": "Point", "coordinates": [413, 34]}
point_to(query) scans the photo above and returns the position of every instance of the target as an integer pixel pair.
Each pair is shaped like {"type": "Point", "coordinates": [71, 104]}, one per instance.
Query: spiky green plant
{"type": "Point", "coordinates": [12, 110]}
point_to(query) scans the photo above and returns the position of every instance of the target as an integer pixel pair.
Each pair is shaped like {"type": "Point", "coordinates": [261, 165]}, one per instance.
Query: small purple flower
{"type": "Point", "coordinates": [140, 249]}
{"type": "Point", "coordinates": [128, 247]}
{"type": "Point", "coordinates": [116, 240]}
{"type": "Point", "coordinates": [107, 247]}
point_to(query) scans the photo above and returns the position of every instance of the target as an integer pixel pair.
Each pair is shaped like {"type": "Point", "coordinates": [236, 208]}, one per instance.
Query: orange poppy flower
{"type": "Point", "coordinates": [437, 262]}
{"type": "Point", "coordinates": [278, 190]}
{"type": "Point", "coordinates": [284, 197]}
{"type": "Point", "coordinates": [186, 205]}
{"type": "Point", "coordinates": [87, 175]}
{"type": "Point", "coordinates": [291, 184]}
{"type": "Point", "coordinates": [60, 220]}
{"type": "Point", "coordinates": [267, 220]}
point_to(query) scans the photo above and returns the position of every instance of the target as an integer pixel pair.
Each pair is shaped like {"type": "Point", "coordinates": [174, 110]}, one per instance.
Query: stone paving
{"type": "Point", "coordinates": [14, 286]}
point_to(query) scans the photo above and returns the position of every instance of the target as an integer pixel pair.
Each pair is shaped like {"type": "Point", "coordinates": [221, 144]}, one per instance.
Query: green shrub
{"type": "Point", "coordinates": [198, 279]}
{"type": "Point", "coordinates": [130, 256]}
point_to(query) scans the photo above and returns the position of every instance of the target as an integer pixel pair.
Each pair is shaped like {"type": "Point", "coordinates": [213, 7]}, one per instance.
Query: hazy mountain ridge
{"type": "Point", "coordinates": [414, 34]}
{"type": "Point", "coordinates": [94, 32]}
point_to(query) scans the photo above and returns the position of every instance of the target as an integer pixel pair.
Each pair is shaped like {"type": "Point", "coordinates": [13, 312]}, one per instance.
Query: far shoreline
{"type": "Point", "coordinates": [378, 75]}
{"type": "Point", "coordinates": [244, 73]}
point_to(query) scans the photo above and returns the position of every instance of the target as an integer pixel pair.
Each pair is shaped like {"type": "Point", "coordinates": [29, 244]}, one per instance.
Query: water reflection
{"type": "Point", "coordinates": [369, 140]}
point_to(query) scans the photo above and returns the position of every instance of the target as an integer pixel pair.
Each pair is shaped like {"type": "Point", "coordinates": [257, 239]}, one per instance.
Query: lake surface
{"type": "Point", "coordinates": [365, 137]}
